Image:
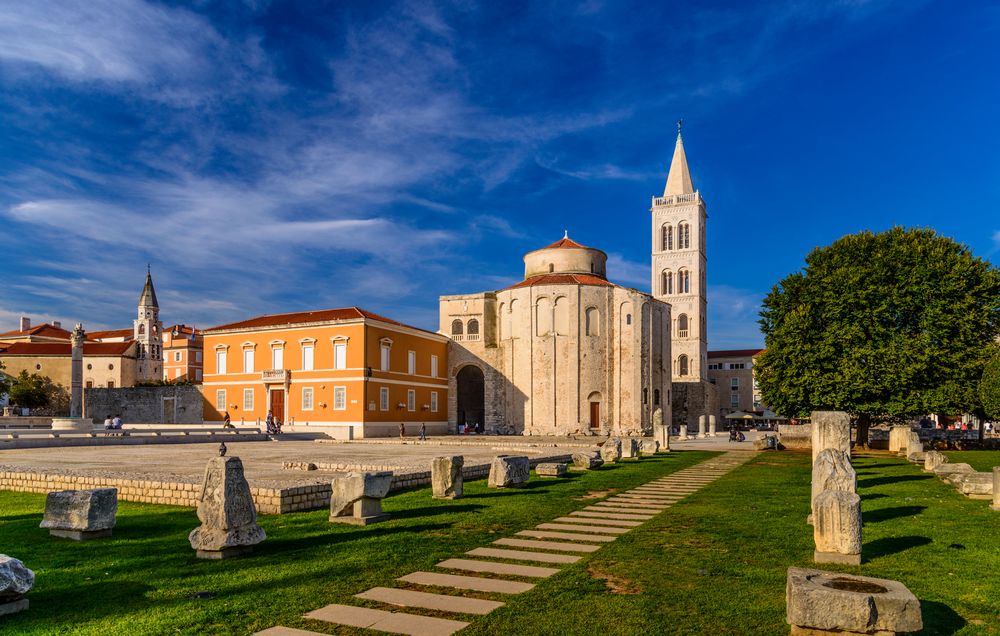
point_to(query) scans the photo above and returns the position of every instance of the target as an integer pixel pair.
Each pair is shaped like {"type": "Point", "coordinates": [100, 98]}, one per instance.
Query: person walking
{"type": "Point", "coordinates": [227, 421]}
{"type": "Point", "coordinates": [402, 429]}
{"type": "Point", "coordinates": [423, 432]}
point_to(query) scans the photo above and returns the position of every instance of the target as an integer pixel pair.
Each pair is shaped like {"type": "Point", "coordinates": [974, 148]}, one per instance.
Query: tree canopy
{"type": "Point", "coordinates": [886, 325]}
{"type": "Point", "coordinates": [989, 388]}
{"type": "Point", "coordinates": [30, 391]}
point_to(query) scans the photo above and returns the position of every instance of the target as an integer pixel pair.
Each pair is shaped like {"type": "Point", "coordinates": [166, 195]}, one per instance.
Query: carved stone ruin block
{"type": "Point", "coordinates": [227, 512]}
{"type": "Point", "coordinates": [683, 431]}
{"type": "Point", "coordinates": [837, 527]}
{"type": "Point", "coordinates": [15, 581]}
{"type": "Point", "coordinates": [933, 459]}
{"type": "Point", "coordinates": [819, 602]}
{"type": "Point", "coordinates": [648, 447]}
{"type": "Point", "coordinates": [830, 429]}
{"type": "Point", "coordinates": [611, 451]}
{"type": "Point", "coordinates": [711, 425]}
{"type": "Point", "coordinates": [81, 514]}
{"type": "Point", "coordinates": [509, 471]}
{"type": "Point", "coordinates": [702, 426]}
{"type": "Point", "coordinates": [913, 445]}
{"type": "Point", "coordinates": [356, 498]}
{"type": "Point", "coordinates": [446, 477]}
{"type": "Point", "coordinates": [554, 469]}
{"type": "Point", "coordinates": [975, 485]}
{"type": "Point", "coordinates": [630, 448]}
{"type": "Point", "coordinates": [587, 460]}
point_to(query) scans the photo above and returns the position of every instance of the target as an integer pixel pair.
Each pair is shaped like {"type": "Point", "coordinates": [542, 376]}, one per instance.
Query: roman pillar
{"type": "Point", "coordinates": [76, 372]}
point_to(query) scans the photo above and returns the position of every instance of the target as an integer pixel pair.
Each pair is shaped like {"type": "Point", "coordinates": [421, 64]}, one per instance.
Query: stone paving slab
{"type": "Point", "coordinates": [493, 567]}
{"type": "Point", "coordinates": [599, 514]}
{"type": "Point", "coordinates": [460, 582]}
{"type": "Point", "coordinates": [523, 555]}
{"type": "Point", "coordinates": [568, 536]}
{"type": "Point", "coordinates": [636, 500]}
{"type": "Point", "coordinates": [286, 631]}
{"type": "Point", "coordinates": [582, 528]}
{"type": "Point", "coordinates": [599, 522]}
{"type": "Point", "coordinates": [548, 545]}
{"type": "Point", "coordinates": [426, 600]}
{"type": "Point", "coordinates": [627, 513]}
{"type": "Point", "coordinates": [634, 503]}
{"type": "Point", "coordinates": [393, 622]}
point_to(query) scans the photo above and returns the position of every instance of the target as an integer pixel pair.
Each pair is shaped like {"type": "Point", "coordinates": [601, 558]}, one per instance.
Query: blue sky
{"type": "Point", "coordinates": [268, 157]}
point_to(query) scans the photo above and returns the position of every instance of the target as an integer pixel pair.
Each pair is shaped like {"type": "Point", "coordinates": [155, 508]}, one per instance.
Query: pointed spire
{"type": "Point", "coordinates": [679, 177]}
{"type": "Point", "coordinates": [148, 296]}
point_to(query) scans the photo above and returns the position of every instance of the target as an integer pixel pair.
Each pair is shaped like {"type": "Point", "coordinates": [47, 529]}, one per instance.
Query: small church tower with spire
{"type": "Point", "coordinates": [679, 262]}
{"type": "Point", "coordinates": [147, 330]}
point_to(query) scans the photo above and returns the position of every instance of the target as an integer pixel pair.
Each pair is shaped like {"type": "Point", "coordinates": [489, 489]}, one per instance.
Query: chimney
{"type": "Point", "coordinates": [57, 324]}
{"type": "Point", "coordinates": [25, 323]}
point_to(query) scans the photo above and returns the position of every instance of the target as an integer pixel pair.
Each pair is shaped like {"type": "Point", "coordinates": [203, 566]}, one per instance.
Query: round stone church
{"type": "Point", "coordinates": [564, 351]}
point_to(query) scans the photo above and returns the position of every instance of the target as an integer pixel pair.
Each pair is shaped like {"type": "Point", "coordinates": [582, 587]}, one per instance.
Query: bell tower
{"type": "Point", "coordinates": [679, 261]}
{"type": "Point", "coordinates": [147, 330]}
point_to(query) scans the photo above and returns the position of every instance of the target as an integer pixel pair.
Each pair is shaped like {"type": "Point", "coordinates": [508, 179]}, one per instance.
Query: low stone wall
{"type": "Point", "coordinates": [269, 501]}
{"type": "Point", "coordinates": [24, 422]}
{"type": "Point", "coordinates": [795, 436]}
{"type": "Point", "coordinates": [146, 404]}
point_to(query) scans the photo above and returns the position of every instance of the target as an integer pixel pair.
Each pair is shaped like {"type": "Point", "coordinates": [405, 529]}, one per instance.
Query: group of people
{"type": "Point", "coordinates": [273, 425]}
{"type": "Point", "coordinates": [113, 423]}
{"type": "Point", "coordinates": [423, 431]}
{"type": "Point", "coordinates": [736, 436]}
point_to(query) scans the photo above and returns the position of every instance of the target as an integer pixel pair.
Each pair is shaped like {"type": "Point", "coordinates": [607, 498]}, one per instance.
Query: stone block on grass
{"type": "Point", "coordinates": [446, 477]}
{"type": "Point", "coordinates": [551, 469]}
{"type": "Point", "coordinates": [587, 460]}
{"type": "Point", "coordinates": [356, 498]}
{"type": "Point", "coordinates": [611, 451]}
{"type": "Point", "coordinates": [933, 459]}
{"type": "Point", "coordinates": [830, 429]}
{"type": "Point", "coordinates": [227, 512]}
{"type": "Point", "coordinates": [16, 580]}
{"type": "Point", "coordinates": [837, 527]}
{"type": "Point", "coordinates": [81, 514]}
{"type": "Point", "coordinates": [648, 447]}
{"type": "Point", "coordinates": [630, 448]}
{"type": "Point", "coordinates": [975, 485]}
{"type": "Point", "coordinates": [509, 471]}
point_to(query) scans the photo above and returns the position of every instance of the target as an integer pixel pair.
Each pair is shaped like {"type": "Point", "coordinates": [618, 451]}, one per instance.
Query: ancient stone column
{"type": "Point", "coordinates": [837, 527]}
{"type": "Point", "coordinates": [830, 429]}
{"type": "Point", "coordinates": [76, 372]}
{"type": "Point", "coordinates": [711, 426]}
{"type": "Point", "coordinates": [683, 432]}
{"type": "Point", "coordinates": [702, 426]}
{"type": "Point", "coordinates": [913, 445]}
{"type": "Point", "coordinates": [897, 437]}
{"type": "Point", "coordinates": [832, 470]}
{"type": "Point", "coordinates": [446, 477]}
{"type": "Point", "coordinates": [227, 512]}
{"type": "Point", "coordinates": [996, 489]}
{"type": "Point", "coordinates": [661, 432]}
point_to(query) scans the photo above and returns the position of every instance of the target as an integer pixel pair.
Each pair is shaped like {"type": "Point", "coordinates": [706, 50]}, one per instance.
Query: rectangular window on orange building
{"type": "Point", "coordinates": [197, 356]}
{"type": "Point", "coordinates": [307, 357]}
{"type": "Point", "coordinates": [339, 398]}
{"type": "Point", "coordinates": [220, 400]}
{"type": "Point", "coordinates": [385, 357]}
{"type": "Point", "coordinates": [307, 398]}
{"type": "Point", "coordinates": [220, 361]}
{"type": "Point", "coordinates": [277, 358]}
{"type": "Point", "coordinates": [411, 362]}
{"type": "Point", "coordinates": [247, 399]}
{"type": "Point", "coordinates": [434, 366]}
{"type": "Point", "coordinates": [177, 356]}
{"type": "Point", "coordinates": [248, 361]}
{"type": "Point", "coordinates": [411, 400]}
{"type": "Point", "coordinates": [383, 398]}
{"type": "Point", "coordinates": [434, 401]}
{"type": "Point", "coordinates": [340, 355]}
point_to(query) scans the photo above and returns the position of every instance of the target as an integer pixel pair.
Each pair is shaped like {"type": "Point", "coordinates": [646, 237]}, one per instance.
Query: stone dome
{"type": "Point", "coordinates": [565, 256]}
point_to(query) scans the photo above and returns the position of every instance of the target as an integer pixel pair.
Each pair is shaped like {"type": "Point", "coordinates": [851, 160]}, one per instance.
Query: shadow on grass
{"type": "Point", "coordinates": [431, 511]}
{"type": "Point", "coordinates": [9, 518]}
{"type": "Point", "coordinates": [939, 618]}
{"type": "Point", "coordinates": [884, 514]}
{"type": "Point", "coordinates": [273, 545]}
{"type": "Point", "coordinates": [870, 466]}
{"type": "Point", "coordinates": [879, 481]}
{"type": "Point", "coordinates": [891, 545]}
{"type": "Point", "coordinates": [506, 492]}
{"type": "Point", "coordinates": [874, 495]}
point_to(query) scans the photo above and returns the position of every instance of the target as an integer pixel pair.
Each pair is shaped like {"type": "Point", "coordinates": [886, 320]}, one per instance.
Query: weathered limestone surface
{"type": "Point", "coordinates": [837, 527]}
{"type": "Point", "coordinates": [508, 471]}
{"type": "Point", "coordinates": [702, 426]}
{"type": "Point", "coordinates": [611, 451]}
{"type": "Point", "coordinates": [830, 429]}
{"type": "Point", "coordinates": [711, 425]}
{"type": "Point", "coordinates": [357, 497]}
{"type": "Point", "coordinates": [630, 447]}
{"type": "Point", "coordinates": [816, 602]}
{"type": "Point", "coordinates": [551, 470]}
{"type": "Point", "coordinates": [975, 485]}
{"type": "Point", "coordinates": [446, 476]}
{"type": "Point", "coordinates": [661, 431]}
{"type": "Point", "coordinates": [648, 447]}
{"type": "Point", "coordinates": [996, 488]}
{"type": "Point", "coordinates": [933, 459]}
{"type": "Point", "coordinates": [913, 444]}
{"type": "Point", "coordinates": [15, 581]}
{"type": "Point", "coordinates": [832, 470]}
{"type": "Point", "coordinates": [81, 514]}
{"type": "Point", "coordinates": [952, 472]}
{"type": "Point", "coordinates": [226, 511]}
{"type": "Point", "coordinates": [767, 442]}
{"type": "Point", "coordinates": [682, 431]}
{"type": "Point", "coordinates": [588, 460]}
{"type": "Point", "coordinates": [898, 438]}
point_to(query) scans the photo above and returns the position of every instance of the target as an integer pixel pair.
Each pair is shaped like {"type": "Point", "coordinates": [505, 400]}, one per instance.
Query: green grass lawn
{"type": "Point", "coordinates": [981, 460]}
{"type": "Point", "coordinates": [713, 564]}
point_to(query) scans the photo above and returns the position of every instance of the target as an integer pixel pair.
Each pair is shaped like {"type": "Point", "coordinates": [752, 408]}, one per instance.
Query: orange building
{"type": "Point", "coordinates": [182, 354]}
{"type": "Point", "coordinates": [358, 373]}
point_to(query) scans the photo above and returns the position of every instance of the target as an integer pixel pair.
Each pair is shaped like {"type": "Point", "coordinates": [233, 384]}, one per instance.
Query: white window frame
{"type": "Point", "coordinates": [277, 357]}
{"type": "Point", "coordinates": [385, 357]}
{"type": "Point", "coordinates": [340, 398]}
{"type": "Point", "coordinates": [247, 400]}
{"type": "Point", "coordinates": [340, 355]}
{"type": "Point", "coordinates": [383, 398]}
{"type": "Point", "coordinates": [307, 398]}
{"type": "Point", "coordinates": [177, 356]}
{"type": "Point", "coordinates": [220, 400]}
{"type": "Point", "coordinates": [411, 362]}
{"type": "Point", "coordinates": [197, 356]}
{"type": "Point", "coordinates": [197, 375]}
{"type": "Point", "coordinates": [220, 361]}
{"type": "Point", "coordinates": [308, 357]}
{"type": "Point", "coordinates": [248, 361]}
{"type": "Point", "coordinates": [411, 400]}
{"type": "Point", "coordinates": [434, 401]}
{"type": "Point", "coordinates": [434, 366]}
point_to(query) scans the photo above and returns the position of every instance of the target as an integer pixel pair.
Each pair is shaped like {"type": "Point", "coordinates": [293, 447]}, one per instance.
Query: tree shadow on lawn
{"type": "Point", "coordinates": [431, 511]}
{"type": "Point", "coordinates": [884, 514]}
{"type": "Point", "coordinates": [24, 517]}
{"type": "Point", "coordinates": [891, 545]}
{"type": "Point", "coordinates": [879, 481]}
{"type": "Point", "coordinates": [939, 618]}
{"type": "Point", "coordinates": [506, 492]}
{"type": "Point", "coordinates": [273, 545]}
{"type": "Point", "coordinates": [871, 466]}
{"type": "Point", "coordinates": [873, 495]}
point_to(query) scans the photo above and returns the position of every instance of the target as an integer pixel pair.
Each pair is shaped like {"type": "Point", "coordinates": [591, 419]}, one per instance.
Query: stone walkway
{"type": "Point", "coordinates": [581, 532]}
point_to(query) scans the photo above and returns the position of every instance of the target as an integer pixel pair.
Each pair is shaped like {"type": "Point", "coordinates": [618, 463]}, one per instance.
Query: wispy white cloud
{"type": "Point", "coordinates": [631, 273]}
{"type": "Point", "coordinates": [732, 318]}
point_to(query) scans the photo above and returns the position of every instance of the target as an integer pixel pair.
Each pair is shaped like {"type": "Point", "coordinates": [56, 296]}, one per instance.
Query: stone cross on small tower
{"type": "Point", "coordinates": [76, 371]}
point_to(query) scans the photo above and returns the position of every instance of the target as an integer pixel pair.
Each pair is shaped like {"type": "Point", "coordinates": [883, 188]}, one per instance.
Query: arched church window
{"type": "Point", "coordinates": [682, 326]}
{"type": "Point", "coordinates": [656, 397]}
{"type": "Point", "coordinates": [668, 237]}
{"type": "Point", "coordinates": [543, 317]}
{"type": "Point", "coordinates": [456, 327]}
{"type": "Point", "coordinates": [473, 327]}
{"type": "Point", "coordinates": [683, 235]}
{"type": "Point", "coordinates": [142, 330]}
{"type": "Point", "coordinates": [683, 281]}
{"type": "Point", "coordinates": [593, 320]}
{"type": "Point", "coordinates": [628, 319]}
{"type": "Point", "coordinates": [560, 321]}
{"type": "Point", "coordinates": [552, 268]}
{"type": "Point", "coordinates": [682, 365]}
{"type": "Point", "coordinates": [154, 330]}
{"type": "Point", "coordinates": [667, 282]}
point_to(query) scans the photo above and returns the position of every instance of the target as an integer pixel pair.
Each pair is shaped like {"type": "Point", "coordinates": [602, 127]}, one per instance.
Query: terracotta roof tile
{"type": "Point", "coordinates": [562, 279]}
{"type": "Point", "coordinates": [111, 333]}
{"type": "Point", "coordinates": [734, 353]}
{"type": "Point", "coordinates": [301, 317]}
{"type": "Point", "coordinates": [565, 243]}
{"type": "Point", "coordinates": [44, 329]}
{"type": "Point", "coordinates": [65, 348]}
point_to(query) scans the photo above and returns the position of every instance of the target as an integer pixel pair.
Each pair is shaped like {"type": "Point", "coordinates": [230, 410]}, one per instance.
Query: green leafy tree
{"type": "Point", "coordinates": [30, 391]}
{"type": "Point", "coordinates": [883, 326]}
{"type": "Point", "coordinates": [5, 381]}
{"type": "Point", "coordinates": [989, 388]}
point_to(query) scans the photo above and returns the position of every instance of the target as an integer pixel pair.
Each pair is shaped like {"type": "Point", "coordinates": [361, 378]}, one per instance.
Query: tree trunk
{"type": "Point", "coordinates": [864, 421]}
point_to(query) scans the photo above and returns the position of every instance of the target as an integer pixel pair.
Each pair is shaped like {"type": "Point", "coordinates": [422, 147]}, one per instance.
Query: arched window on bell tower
{"type": "Point", "coordinates": [667, 282]}
{"type": "Point", "coordinates": [668, 237]}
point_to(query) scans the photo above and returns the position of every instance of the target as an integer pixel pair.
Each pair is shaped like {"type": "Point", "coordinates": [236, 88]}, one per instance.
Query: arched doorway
{"type": "Point", "coordinates": [471, 398]}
